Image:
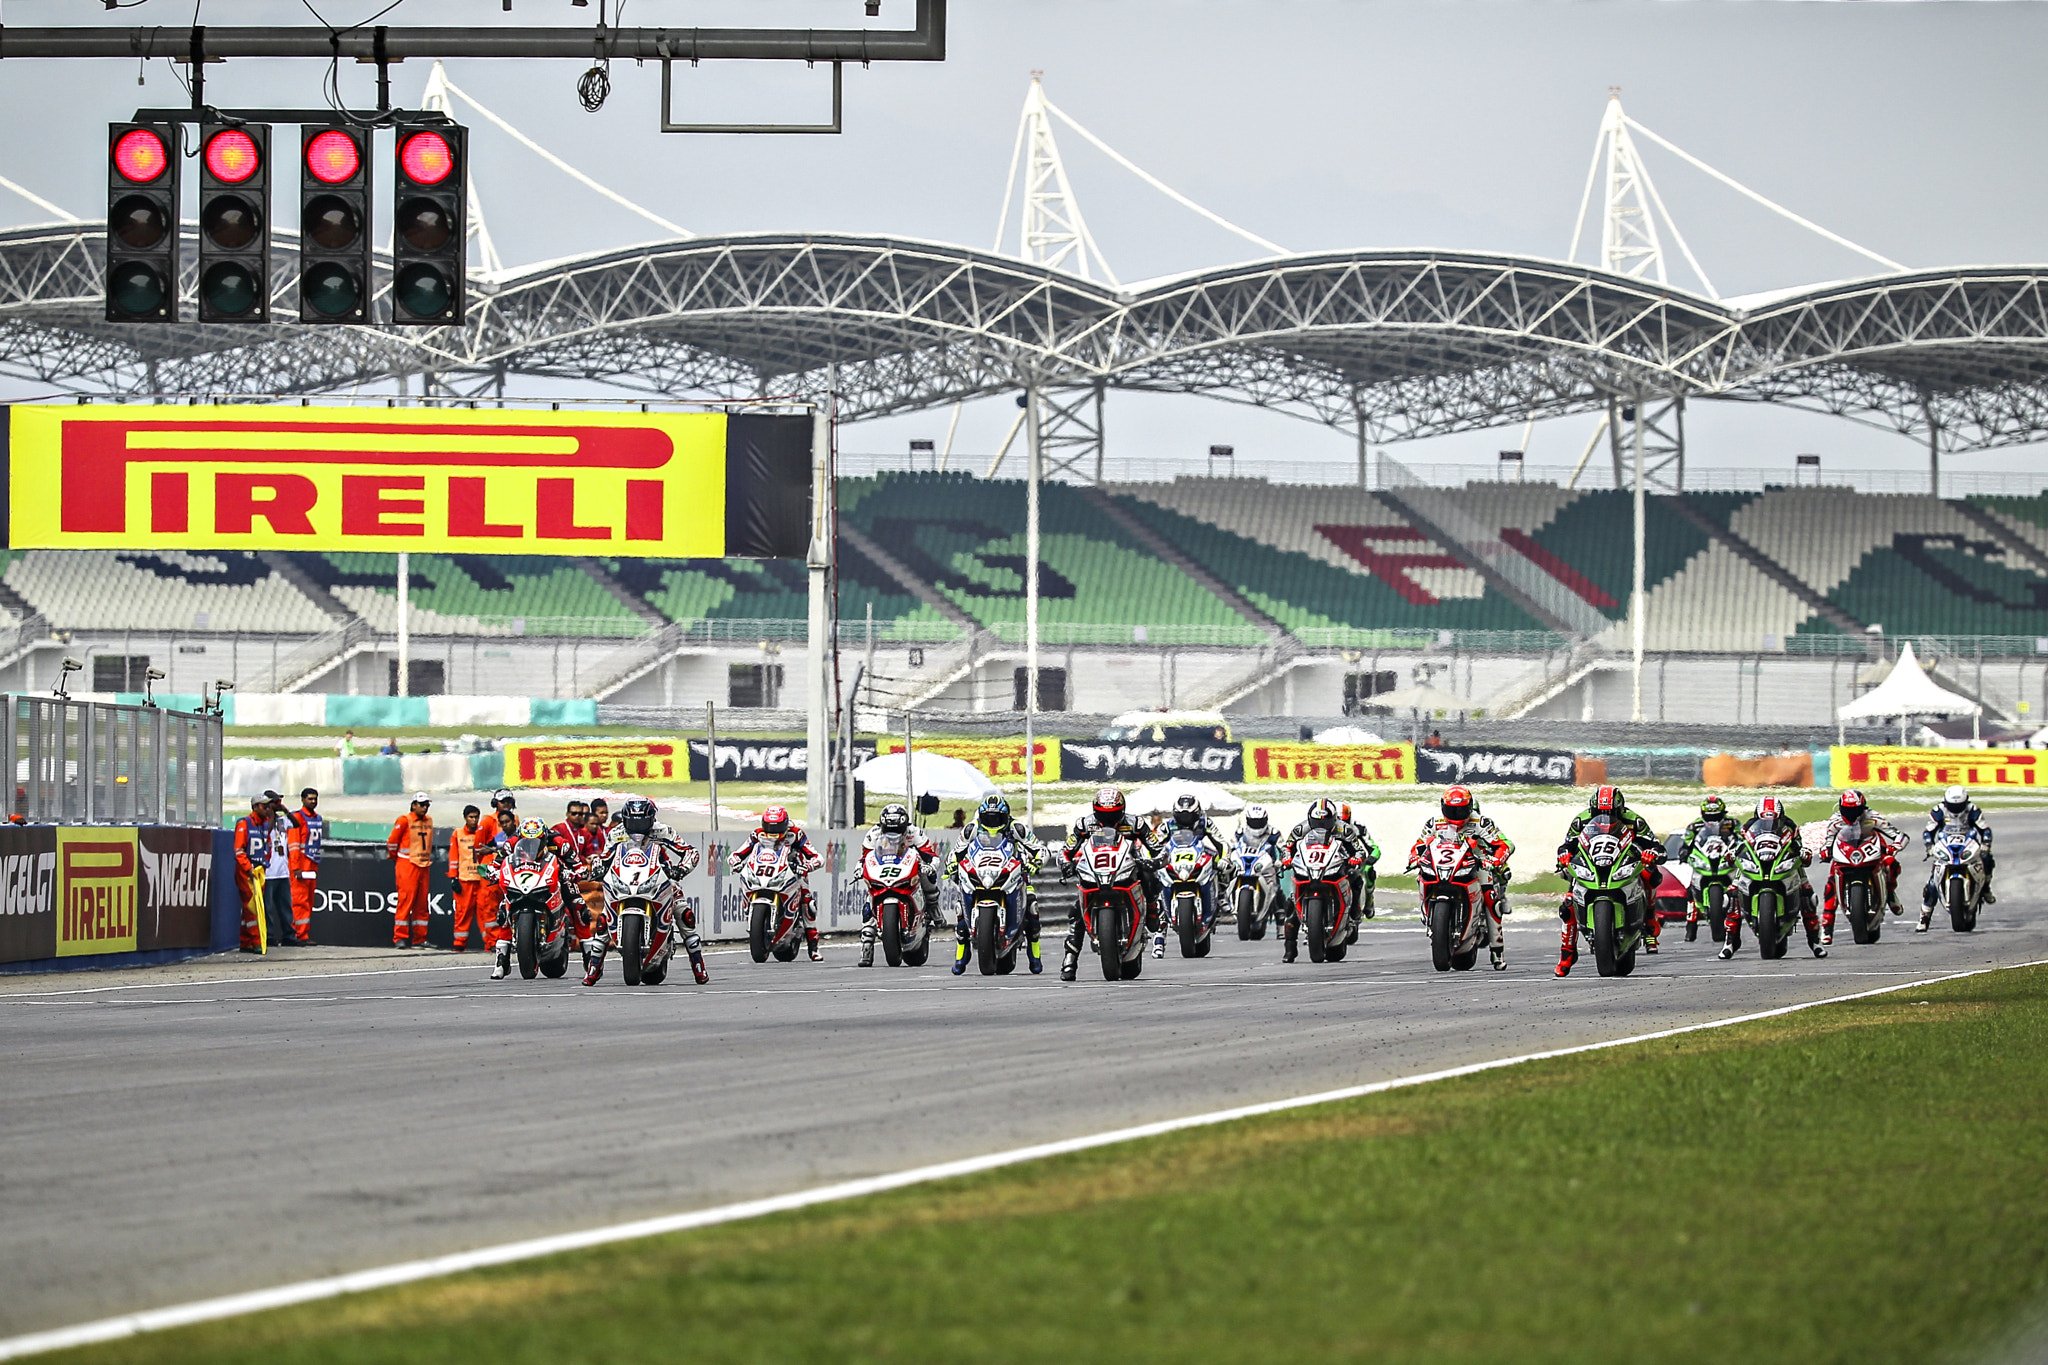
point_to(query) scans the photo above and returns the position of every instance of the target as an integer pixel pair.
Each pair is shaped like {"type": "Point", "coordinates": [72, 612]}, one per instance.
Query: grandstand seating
{"type": "Point", "coordinates": [164, 590]}
{"type": "Point", "coordinates": [469, 594]}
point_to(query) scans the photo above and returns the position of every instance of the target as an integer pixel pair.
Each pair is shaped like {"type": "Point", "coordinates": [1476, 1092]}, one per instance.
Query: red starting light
{"type": "Point", "coordinates": [139, 156]}
{"type": "Point", "coordinates": [332, 157]}
{"type": "Point", "coordinates": [231, 156]}
{"type": "Point", "coordinates": [426, 158]}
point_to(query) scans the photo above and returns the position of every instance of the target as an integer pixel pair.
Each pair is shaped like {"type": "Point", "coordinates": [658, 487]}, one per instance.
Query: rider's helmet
{"type": "Point", "coordinates": [1713, 808]}
{"type": "Point", "coordinates": [775, 822]}
{"type": "Point", "coordinates": [1956, 801]}
{"type": "Point", "coordinates": [1457, 804]}
{"type": "Point", "coordinates": [1770, 808]}
{"type": "Point", "coordinates": [1187, 811]}
{"type": "Point", "coordinates": [895, 819]}
{"type": "Point", "coordinates": [1607, 801]}
{"type": "Point", "coordinates": [531, 828]}
{"type": "Point", "coordinates": [1109, 806]}
{"type": "Point", "coordinates": [1322, 815]}
{"type": "Point", "coordinates": [993, 815]}
{"type": "Point", "coordinates": [1853, 808]}
{"type": "Point", "coordinates": [1256, 821]}
{"type": "Point", "coordinates": [637, 816]}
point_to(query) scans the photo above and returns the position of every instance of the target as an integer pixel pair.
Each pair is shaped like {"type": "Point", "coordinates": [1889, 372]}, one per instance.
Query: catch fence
{"type": "Point", "coordinates": [101, 763]}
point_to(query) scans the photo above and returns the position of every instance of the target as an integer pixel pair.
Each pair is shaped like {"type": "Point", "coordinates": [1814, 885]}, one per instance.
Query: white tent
{"type": "Point", "coordinates": [1907, 691]}
{"type": "Point", "coordinates": [949, 779]}
{"type": "Point", "coordinates": [1157, 798]}
{"type": "Point", "coordinates": [1348, 734]}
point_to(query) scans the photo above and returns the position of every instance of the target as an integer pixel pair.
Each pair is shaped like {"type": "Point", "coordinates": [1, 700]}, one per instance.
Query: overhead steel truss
{"type": "Point", "coordinates": [1398, 344]}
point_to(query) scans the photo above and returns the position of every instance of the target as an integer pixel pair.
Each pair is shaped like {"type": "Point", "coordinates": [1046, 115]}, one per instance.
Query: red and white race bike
{"type": "Point", "coordinates": [1113, 902]}
{"type": "Point", "coordinates": [640, 899]}
{"type": "Point", "coordinates": [773, 890]}
{"type": "Point", "coordinates": [1322, 897]}
{"type": "Point", "coordinates": [1454, 880]}
{"type": "Point", "coordinates": [533, 883]}
{"type": "Point", "coordinates": [1856, 867]}
{"type": "Point", "coordinates": [895, 891]}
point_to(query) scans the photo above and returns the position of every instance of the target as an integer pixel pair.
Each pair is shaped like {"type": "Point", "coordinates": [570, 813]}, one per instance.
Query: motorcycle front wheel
{"type": "Point", "coordinates": [526, 941]}
{"type": "Point", "coordinates": [1863, 926]}
{"type": "Point", "coordinates": [1770, 934]}
{"type": "Point", "coordinates": [1606, 938]}
{"type": "Point", "coordinates": [1962, 916]}
{"type": "Point", "coordinates": [757, 929]}
{"type": "Point", "coordinates": [632, 947]}
{"type": "Point", "coordinates": [1109, 939]}
{"type": "Point", "coordinates": [986, 936]}
{"type": "Point", "coordinates": [1187, 919]}
{"type": "Point", "coordinates": [892, 932]}
{"type": "Point", "coordinates": [1246, 899]}
{"type": "Point", "coordinates": [1440, 933]}
{"type": "Point", "coordinates": [1717, 912]}
{"type": "Point", "coordinates": [1315, 926]}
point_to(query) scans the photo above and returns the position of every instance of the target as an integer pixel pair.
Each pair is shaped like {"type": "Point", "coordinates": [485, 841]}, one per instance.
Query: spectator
{"type": "Point", "coordinates": [600, 820]}
{"type": "Point", "coordinates": [390, 748]}
{"type": "Point", "coordinates": [345, 747]}
{"type": "Point", "coordinates": [465, 869]}
{"type": "Point", "coordinates": [1435, 741]}
{"type": "Point", "coordinates": [503, 800]}
{"type": "Point", "coordinates": [411, 847]}
{"type": "Point", "coordinates": [277, 876]}
{"type": "Point", "coordinates": [959, 817]}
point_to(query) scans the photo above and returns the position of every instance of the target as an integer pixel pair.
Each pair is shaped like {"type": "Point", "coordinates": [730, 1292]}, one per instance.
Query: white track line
{"type": "Point", "coordinates": [407, 1272]}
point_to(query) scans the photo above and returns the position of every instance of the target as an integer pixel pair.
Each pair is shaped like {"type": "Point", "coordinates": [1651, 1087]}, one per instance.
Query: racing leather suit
{"type": "Point", "coordinates": [1494, 852]}
{"type": "Point", "coordinates": [1788, 829]}
{"type": "Point", "coordinates": [1726, 828]}
{"type": "Point", "coordinates": [676, 860]}
{"type": "Point", "coordinates": [802, 857]}
{"type": "Point", "coordinates": [1033, 854]}
{"type": "Point", "coordinates": [1205, 831]}
{"type": "Point", "coordinates": [1357, 849]}
{"type": "Point", "coordinates": [1270, 842]}
{"type": "Point", "coordinates": [1648, 847]}
{"type": "Point", "coordinates": [1894, 840]}
{"type": "Point", "coordinates": [1937, 820]}
{"type": "Point", "coordinates": [928, 880]}
{"type": "Point", "coordinates": [1148, 853]}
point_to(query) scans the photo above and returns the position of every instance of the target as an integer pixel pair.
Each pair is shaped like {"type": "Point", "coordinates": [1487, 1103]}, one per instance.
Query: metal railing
{"type": "Point", "coordinates": [96, 763]}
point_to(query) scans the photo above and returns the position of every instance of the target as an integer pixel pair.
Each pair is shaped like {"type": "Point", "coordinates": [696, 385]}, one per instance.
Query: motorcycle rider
{"type": "Point", "coordinates": [1257, 833]}
{"type": "Point", "coordinates": [1852, 811]}
{"type": "Point", "coordinates": [1611, 802]}
{"type": "Point", "coordinates": [778, 830]}
{"type": "Point", "coordinates": [500, 864]}
{"type": "Point", "coordinates": [1361, 894]}
{"type": "Point", "coordinates": [639, 829]}
{"type": "Point", "coordinates": [1187, 816]}
{"type": "Point", "coordinates": [993, 818]}
{"type": "Point", "coordinates": [1955, 806]}
{"type": "Point", "coordinates": [1770, 818]}
{"type": "Point", "coordinates": [893, 833]}
{"type": "Point", "coordinates": [1713, 823]}
{"type": "Point", "coordinates": [1107, 812]}
{"type": "Point", "coordinates": [1459, 817]}
{"type": "Point", "coordinates": [1322, 819]}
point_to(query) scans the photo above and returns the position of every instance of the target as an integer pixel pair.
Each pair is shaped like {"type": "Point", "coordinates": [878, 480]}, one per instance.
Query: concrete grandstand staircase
{"type": "Point", "coordinates": [620, 593]}
{"type": "Point", "coordinates": [1773, 570]}
{"type": "Point", "coordinates": [291, 571]}
{"type": "Point", "coordinates": [904, 578]}
{"type": "Point", "coordinates": [2012, 540]}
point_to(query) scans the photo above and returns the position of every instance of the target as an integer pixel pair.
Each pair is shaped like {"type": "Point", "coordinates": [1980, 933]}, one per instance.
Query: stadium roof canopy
{"type": "Point", "coordinates": [1406, 343]}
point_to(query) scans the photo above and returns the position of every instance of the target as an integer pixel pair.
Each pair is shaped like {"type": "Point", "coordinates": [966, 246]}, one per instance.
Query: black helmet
{"type": "Point", "coordinates": [1187, 812]}
{"type": "Point", "coordinates": [1109, 806]}
{"type": "Point", "coordinates": [1607, 801]}
{"type": "Point", "coordinates": [1255, 819]}
{"type": "Point", "coordinates": [993, 814]}
{"type": "Point", "coordinates": [1322, 815]}
{"type": "Point", "coordinates": [1713, 808]}
{"type": "Point", "coordinates": [637, 816]}
{"type": "Point", "coordinates": [895, 819]}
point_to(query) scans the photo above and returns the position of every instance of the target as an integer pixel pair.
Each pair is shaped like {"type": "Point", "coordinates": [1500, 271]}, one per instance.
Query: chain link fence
{"type": "Point", "coordinates": [97, 763]}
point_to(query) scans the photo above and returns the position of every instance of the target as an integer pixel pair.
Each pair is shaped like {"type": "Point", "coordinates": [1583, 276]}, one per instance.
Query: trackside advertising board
{"type": "Point", "coordinates": [452, 481]}
{"type": "Point", "coordinates": [1973, 768]}
{"type": "Point", "coordinates": [1340, 765]}
{"type": "Point", "coordinates": [88, 891]}
{"type": "Point", "coordinates": [1001, 759]}
{"type": "Point", "coordinates": [1495, 764]}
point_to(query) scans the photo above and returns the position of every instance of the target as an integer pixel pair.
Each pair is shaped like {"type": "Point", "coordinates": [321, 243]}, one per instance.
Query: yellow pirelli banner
{"type": "Point", "coordinates": [578, 762]}
{"type": "Point", "coordinates": [1001, 759]}
{"type": "Point", "coordinates": [1888, 767]}
{"type": "Point", "coordinates": [96, 891]}
{"type": "Point", "coordinates": [1338, 765]}
{"type": "Point", "coordinates": [456, 481]}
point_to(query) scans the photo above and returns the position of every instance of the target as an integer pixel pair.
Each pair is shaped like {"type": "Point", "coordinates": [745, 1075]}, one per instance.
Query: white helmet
{"type": "Point", "coordinates": [1956, 799]}
{"type": "Point", "coordinates": [1255, 819]}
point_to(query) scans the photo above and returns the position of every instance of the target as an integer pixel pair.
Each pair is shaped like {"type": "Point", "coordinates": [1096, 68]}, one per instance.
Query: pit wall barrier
{"type": "Point", "coordinates": [339, 709]}
{"type": "Point", "coordinates": [114, 896]}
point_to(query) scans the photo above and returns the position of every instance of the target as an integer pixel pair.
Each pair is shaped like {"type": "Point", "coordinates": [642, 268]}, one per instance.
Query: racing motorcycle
{"type": "Point", "coordinates": [1958, 856]}
{"type": "Point", "coordinates": [1322, 897]}
{"type": "Point", "coordinates": [1189, 870]}
{"type": "Point", "coordinates": [773, 891]}
{"type": "Point", "coordinates": [1608, 900]}
{"type": "Point", "coordinates": [1255, 889]}
{"type": "Point", "coordinates": [1453, 883]}
{"type": "Point", "coordinates": [1712, 863]}
{"type": "Point", "coordinates": [533, 886]}
{"type": "Point", "coordinates": [639, 896]}
{"type": "Point", "coordinates": [990, 874]}
{"type": "Point", "coordinates": [1768, 878]}
{"type": "Point", "coordinates": [1113, 902]}
{"type": "Point", "coordinates": [1856, 865]}
{"type": "Point", "coordinates": [904, 921]}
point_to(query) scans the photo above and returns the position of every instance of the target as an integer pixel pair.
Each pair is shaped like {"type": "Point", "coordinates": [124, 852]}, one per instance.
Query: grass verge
{"type": "Point", "coordinates": [1865, 1182]}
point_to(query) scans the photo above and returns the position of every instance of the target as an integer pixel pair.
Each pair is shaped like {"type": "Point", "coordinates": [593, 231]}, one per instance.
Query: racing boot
{"type": "Point", "coordinates": [501, 966]}
{"type": "Point", "coordinates": [1827, 929]}
{"type": "Point", "coordinates": [1732, 942]}
{"type": "Point", "coordinates": [593, 963]}
{"type": "Point", "coordinates": [1926, 913]}
{"type": "Point", "coordinates": [1031, 940]}
{"type": "Point", "coordinates": [1819, 949]}
{"type": "Point", "coordinates": [1567, 949]}
{"type": "Point", "coordinates": [1292, 940]}
{"type": "Point", "coordinates": [694, 946]}
{"type": "Point", "coordinates": [1650, 932]}
{"type": "Point", "coordinates": [960, 948]}
{"type": "Point", "coordinates": [867, 942]}
{"type": "Point", "coordinates": [1070, 961]}
{"type": "Point", "coordinates": [811, 942]}
{"type": "Point", "coordinates": [1692, 922]}
{"type": "Point", "coordinates": [1159, 945]}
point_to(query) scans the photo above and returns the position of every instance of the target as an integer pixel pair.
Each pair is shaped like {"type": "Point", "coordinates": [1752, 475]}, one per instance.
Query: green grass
{"type": "Point", "coordinates": [1865, 1182]}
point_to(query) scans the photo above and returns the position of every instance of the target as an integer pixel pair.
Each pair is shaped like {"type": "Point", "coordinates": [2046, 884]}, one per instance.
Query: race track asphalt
{"type": "Point", "coordinates": [230, 1125]}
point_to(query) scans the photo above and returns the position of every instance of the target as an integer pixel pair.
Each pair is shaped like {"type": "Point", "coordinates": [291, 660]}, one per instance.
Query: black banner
{"type": "Point", "coordinates": [767, 486]}
{"type": "Point", "coordinates": [28, 892]}
{"type": "Point", "coordinates": [761, 760]}
{"type": "Point", "coordinates": [1494, 764]}
{"type": "Point", "coordinates": [353, 902]}
{"type": "Point", "coordinates": [175, 906]}
{"type": "Point", "coordinates": [1128, 763]}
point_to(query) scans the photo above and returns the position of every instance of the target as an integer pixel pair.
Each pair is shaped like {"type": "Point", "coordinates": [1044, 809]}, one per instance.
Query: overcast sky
{"type": "Point", "coordinates": [1910, 128]}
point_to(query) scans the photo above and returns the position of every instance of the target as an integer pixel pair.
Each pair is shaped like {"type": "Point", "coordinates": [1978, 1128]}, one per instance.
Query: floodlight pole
{"type": "Point", "coordinates": [1637, 600]}
{"type": "Point", "coordinates": [404, 688]}
{"type": "Point", "coordinates": [818, 739]}
{"type": "Point", "coordinates": [1035, 454]}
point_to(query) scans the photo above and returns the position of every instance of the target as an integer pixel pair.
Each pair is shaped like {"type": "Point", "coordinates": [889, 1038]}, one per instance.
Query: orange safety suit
{"type": "Point", "coordinates": [252, 856]}
{"type": "Point", "coordinates": [302, 848]}
{"type": "Point", "coordinates": [411, 847]}
{"type": "Point", "coordinates": [473, 907]}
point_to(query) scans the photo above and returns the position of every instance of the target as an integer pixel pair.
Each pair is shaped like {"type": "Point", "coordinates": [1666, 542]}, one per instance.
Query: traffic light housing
{"type": "Point", "coordinates": [142, 223]}
{"type": "Point", "coordinates": [430, 226]}
{"type": "Point", "coordinates": [335, 284]}
{"type": "Point", "coordinates": [234, 222]}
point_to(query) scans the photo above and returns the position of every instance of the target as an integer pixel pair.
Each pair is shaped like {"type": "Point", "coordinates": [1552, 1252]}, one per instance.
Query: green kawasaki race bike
{"type": "Point", "coordinates": [1606, 871]}
{"type": "Point", "coordinates": [1769, 877]}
